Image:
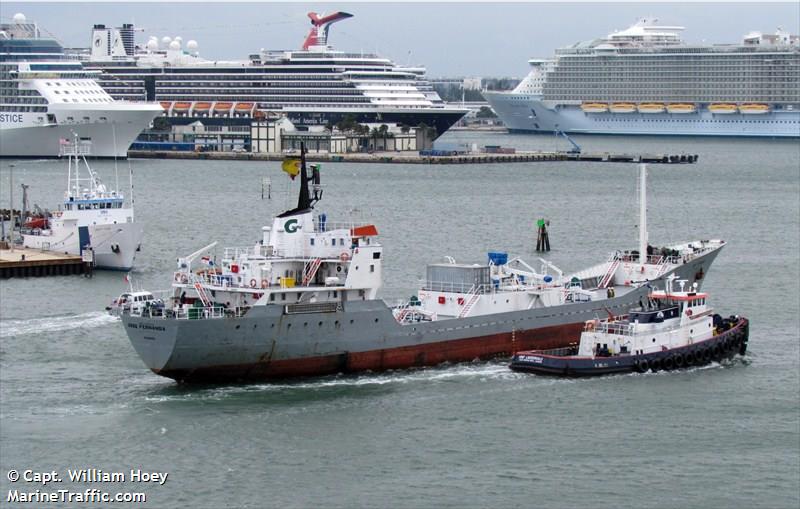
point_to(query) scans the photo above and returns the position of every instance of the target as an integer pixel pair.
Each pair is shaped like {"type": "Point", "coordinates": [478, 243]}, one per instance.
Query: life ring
{"type": "Point", "coordinates": [177, 277]}
{"type": "Point", "coordinates": [264, 283]}
{"type": "Point", "coordinates": [344, 257]}
{"type": "Point", "coordinates": [253, 283]}
{"type": "Point", "coordinates": [589, 326]}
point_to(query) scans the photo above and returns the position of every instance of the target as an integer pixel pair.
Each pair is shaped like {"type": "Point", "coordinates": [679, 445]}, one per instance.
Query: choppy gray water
{"type": "Point", "coordinates": [73, 393]}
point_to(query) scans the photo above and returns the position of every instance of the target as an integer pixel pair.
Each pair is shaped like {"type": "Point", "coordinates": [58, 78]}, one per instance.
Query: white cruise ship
{"type": "Point", "coordinates": [46, 97]}
{"type": "Point", "coordinates": [646, 80]}
{"type": "Point", "coordinates": [312, 86]}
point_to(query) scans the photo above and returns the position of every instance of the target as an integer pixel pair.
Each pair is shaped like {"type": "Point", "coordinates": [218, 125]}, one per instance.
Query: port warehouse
{"type": "Point", "coordinates": [277, 135]}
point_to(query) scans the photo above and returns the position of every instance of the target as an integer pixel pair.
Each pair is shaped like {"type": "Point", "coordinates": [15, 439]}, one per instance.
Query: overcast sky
{"type": "Point", "coordinates": [450, 39]}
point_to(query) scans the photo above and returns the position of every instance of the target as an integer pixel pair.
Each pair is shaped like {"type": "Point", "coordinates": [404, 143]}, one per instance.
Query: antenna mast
{"type": "Point", "coordinates": [642, 214]}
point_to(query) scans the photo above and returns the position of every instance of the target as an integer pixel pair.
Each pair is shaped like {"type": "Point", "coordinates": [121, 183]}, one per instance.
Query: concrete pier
{"type": "Point", "coordinates": [23, 262]}
{"type": "Point", "coordinates": [415, 158]}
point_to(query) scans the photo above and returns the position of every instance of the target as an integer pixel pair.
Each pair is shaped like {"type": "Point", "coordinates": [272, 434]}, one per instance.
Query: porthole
{"type": "Point", "coordinates": [320, 324]}
{"type": "Point", "coordinates": [352, 321]}
{"type": "Point", "coordinates": [376, 320]}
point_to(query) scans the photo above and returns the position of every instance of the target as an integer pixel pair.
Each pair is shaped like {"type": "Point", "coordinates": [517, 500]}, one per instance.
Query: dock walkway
{"type": "Point", "coordinates": [415, 158]}
{"type": "Point", "coordinates": [24, 262]}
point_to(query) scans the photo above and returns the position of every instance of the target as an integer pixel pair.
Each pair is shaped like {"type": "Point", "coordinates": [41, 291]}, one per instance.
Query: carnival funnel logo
{"type": "Point", "coordinates": [291, 226]}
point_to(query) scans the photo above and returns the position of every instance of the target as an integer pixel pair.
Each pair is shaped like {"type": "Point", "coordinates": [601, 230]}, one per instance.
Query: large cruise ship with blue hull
{"type": "Point", "coordinates": [646, 81]}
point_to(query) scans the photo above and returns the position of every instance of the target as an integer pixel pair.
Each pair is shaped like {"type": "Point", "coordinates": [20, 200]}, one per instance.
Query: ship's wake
{"type": "Point", "coordinates": [493, 370]}
{"type": "Point", "coordinates": [11, 328]}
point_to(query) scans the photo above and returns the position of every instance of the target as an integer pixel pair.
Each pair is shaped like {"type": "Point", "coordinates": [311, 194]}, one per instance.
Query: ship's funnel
{"type": "Point", "coordinates": [318, 36]}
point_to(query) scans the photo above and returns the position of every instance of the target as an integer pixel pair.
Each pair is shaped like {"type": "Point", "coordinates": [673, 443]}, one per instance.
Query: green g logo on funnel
{"type": "Point", "coordinates": [291, 226]}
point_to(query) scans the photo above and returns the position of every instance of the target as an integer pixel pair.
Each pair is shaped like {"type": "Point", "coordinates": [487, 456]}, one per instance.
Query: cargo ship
{"type": "Point", "coordinates": [303, 301]}
{"type": "Point", "coordinates": [647, 80]}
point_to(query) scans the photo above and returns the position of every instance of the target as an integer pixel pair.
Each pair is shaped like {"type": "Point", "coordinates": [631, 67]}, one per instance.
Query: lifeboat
{"type": "Point", "coordinates": [651, 108]}
{"type": "Point", "coordinates": [594, 107]}
{"type": "Point", "coordinates": [754, 109]}
{"type": "Point", "coordinates": [623, 108]}
{"type": "Point", "coordinates": [244, 107]}
{"type": "Point", "coordinates": [201, 107]}
{"type": "Point", "coordinates": [722, 108]}
{"type": "Point", "coordinates": [166, 105]}
{"type": "Point", "coordinates": [223, 107]}
{"type": "Point", "coordinates": [259, 115]}
{"type": "Point", "coordinates": [681, 108]}
{"type": "Point", "coordinates": [181, 106]}
{"type": "Point", "coordinates": [36, 222]}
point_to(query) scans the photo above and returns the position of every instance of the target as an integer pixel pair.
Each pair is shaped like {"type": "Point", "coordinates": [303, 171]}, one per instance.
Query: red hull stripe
{"type": "Point", "coordinates": [428, 354]}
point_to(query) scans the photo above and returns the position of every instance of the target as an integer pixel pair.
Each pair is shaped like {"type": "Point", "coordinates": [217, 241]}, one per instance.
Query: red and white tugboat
{"type": "Point", "coordinates": [672, 330]}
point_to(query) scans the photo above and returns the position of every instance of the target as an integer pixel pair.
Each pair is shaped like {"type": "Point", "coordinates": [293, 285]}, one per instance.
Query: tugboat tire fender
{"type": "Point", "coordinates": [707, 355]}
{"type": "Point", "coordinates": [717, 351]}
{"type": "Point", "coordinates": [680, 360]}
{"type": "Point", "coordinates": [669, 363]}
{"type": "Point", "coordinates": [655, 365]}
{"type": "Point", "coordinates": [641, 366]}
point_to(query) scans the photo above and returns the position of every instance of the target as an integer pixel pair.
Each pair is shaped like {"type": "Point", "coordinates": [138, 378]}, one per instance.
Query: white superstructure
{"type": "Point", "coordinates": [46, 97]}
{"type": "Point", "coordinates": [646, 80]}
{"type": "Point", "coordinates": [94, 219]}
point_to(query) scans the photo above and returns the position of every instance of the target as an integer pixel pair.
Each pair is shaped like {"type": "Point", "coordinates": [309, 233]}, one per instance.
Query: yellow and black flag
{"type": "Point", "coordinates": [291, 166]}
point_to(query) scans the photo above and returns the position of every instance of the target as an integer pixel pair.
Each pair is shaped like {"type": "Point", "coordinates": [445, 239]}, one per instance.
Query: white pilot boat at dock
{"type": "Point", "coordinates": [93, 220]}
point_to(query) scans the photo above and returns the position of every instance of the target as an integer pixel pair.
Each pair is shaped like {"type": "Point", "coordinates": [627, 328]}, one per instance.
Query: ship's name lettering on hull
{"type": "Point", "coordinates": [10, 117]}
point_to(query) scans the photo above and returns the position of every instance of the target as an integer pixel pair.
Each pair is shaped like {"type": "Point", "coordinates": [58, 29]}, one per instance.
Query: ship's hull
{"type": "Point", "coordinates": [531, 114]}
{"type": "Point", "coordinates": [439, 118]}
{"type": "Point", "coordinates": [723, 346]}
{"type": "Point", "coordinates": [268, 343]}
{"type": "Point", "coordinates": [111, 130]}
{"type": "Point", "coordinates": [114, 245]}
